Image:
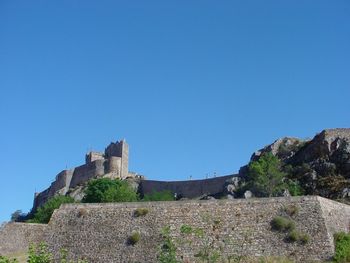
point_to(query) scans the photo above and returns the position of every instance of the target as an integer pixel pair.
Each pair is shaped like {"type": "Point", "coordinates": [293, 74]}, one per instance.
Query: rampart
{"type": "Point", "coordinates": [188, 189]}
{"type": "Point", "coordinates": [100, 232]}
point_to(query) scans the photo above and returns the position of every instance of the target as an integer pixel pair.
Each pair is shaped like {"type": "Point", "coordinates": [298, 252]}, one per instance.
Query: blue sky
{"type": "Point", "coordinates": [194, 86]}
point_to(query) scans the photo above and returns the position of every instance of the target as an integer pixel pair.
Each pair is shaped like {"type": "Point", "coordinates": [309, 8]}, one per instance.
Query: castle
{"type": "Point", "coordinates": [235, 227]}
{"type": "Point", "coordinates": [113, 163]}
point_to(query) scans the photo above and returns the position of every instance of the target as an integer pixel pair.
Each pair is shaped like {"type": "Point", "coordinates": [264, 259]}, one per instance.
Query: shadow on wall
{"type": "Point", "coordinates": [187, 189]}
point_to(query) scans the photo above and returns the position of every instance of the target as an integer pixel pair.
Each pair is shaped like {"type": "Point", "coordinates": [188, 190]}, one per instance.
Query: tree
{"type": "Point", "coordinates": [265, 177]}
{"type": "Point", "coordinates": [43, 214]}
{"type": "Point", "coordinates": [17, 215]}
{"type": "Point", "coordinates": [105, 190]}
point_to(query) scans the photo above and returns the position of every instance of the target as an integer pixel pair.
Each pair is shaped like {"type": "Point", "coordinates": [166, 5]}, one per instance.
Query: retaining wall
{"type": "Point", "coordinates": [100, 232]}
{"type": "Point", "coordinates": [15, 238]}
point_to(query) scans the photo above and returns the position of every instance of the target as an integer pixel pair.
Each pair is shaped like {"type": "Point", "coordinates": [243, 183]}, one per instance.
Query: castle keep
{"type": "Point", "coordinates": [113, 163]}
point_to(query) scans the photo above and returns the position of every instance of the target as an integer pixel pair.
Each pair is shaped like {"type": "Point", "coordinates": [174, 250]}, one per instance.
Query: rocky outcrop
{"type": "Point", "coordinates": [320, 165]}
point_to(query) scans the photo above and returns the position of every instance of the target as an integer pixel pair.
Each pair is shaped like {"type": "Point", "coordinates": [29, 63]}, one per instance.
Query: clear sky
{"type": "Point", "coordinates": [194, 86]}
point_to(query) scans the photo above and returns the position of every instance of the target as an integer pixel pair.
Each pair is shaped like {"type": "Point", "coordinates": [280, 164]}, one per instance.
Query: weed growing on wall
{"type": "Point", "coordinates": [140, 212]}
{"type": "Point", "coordinates": [342, 247]}
{"type": "Point", "coordinates": [134, 238]}
{"type": "Point", "coordinates": [167, 251]}
{"type": "Point", "coordinates": [4, 259]}
{"type": "Point", "coordinates": [285, 224]}
{"type": "Point", "coordinates": [40, 254]}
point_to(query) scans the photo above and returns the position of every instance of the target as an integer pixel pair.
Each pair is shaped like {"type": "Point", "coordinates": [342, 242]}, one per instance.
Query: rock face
{"type": "Point", "coordinates": [320, 165]}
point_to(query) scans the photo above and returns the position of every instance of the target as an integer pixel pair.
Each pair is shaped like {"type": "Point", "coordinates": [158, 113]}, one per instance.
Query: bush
{"type": "Point", "coordinates": [167, 252]}
{"type": "Point", "coordinates": [39, 254]}
{"type": "Point", "coordinates": [7, 260]}
{"type": "Point", "coordinates": [295, 236]}
{"type": "Point", "coordinates": [105, 190]}
{"type": "Point", "coordinates": [304, 238]}
{"type": "Point", "coordinates": [342, 247]}
{"type": "Point", "coordinates": [165, 195]}
{"type": "Point", "coordinates": [294, 187]}
{"type": "Point", "coordinates": [291, 210]}
{"type": "Point", "coordinates": [134, 238]}
{"type": "Point", "coordinates": [140, 212]}
{"type": "Point", "coordinates": [186, 229]}
{"type": "Point", "coordinates": [282, 224]}
{"type": "Point", "coordinates": [43, 214]}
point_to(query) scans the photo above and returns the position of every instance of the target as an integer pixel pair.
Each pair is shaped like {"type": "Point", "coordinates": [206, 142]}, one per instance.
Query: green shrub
{"type": "Point", "coordinates": [293, 236]}
{"type": "Point", "coordinates": [105, 190]}
{"type": "Point", "coordinates": [165, 195]}
{"type": "Point", "coordinates": [43, 214]}
{"type": "Point", "coordinates": [294, 187]}
{"type": "Point", "coordinates": [291, 210]}
{"type": "Point", "coordinates": [140, 212]}
{"type": "Point", "coordinates": [304, 238]}
{"type": "Point", "coordinates": [282, 224]}
{"type": "Point", "coordinates": [4, 259]}
{"type": "Point", "coordinates": [342, 247]}
{"type": "Point", "coordinates": [186, 229]}
{"type": "Point", "coordinates": [39, 254]}
{"type": "Point", "coordinates": [296, 236]}
{"type": "Point", "coordinates": [167, 252]}
{"type": "Point", "coordinates": [134, 238]}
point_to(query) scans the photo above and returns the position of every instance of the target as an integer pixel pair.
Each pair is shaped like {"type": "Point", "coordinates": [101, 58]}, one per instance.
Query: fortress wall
{"type": "Point", "coordinates": [99, 232]}
{"type": "Point", "coordinates": [41, 199]}
{"type": "Point", "coordinates": [187, 189]}
{"type": "Point", "coordinates": [16, 237]}
{"type": "Point", "coordinates": [85, 172]}
{"type": "Point", "coordinates": [61, 183]}
{"type": "Point", "coordinates": [336, 216]}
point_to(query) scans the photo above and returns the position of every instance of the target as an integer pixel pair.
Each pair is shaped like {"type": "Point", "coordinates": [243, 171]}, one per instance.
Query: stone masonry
{"type": "Point", "coordinates": [113, 163]}
{"type": "Point", "coordinates": [100, 232]}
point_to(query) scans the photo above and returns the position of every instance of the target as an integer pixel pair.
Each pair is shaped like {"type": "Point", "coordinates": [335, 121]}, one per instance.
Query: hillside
{"type": "Point", "coordinates": [321, 166]}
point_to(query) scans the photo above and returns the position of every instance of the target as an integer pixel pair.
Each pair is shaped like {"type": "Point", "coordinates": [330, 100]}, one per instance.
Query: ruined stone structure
{"type": "Point", "coordinates": [113, 163]}
{"type": "Point", "coordinates": [100, 232]}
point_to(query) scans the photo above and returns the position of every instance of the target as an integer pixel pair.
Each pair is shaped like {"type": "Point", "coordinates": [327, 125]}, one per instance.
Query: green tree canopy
{"type": "Point", "coordinates": [43, 214]}
{"type": "Point", "coordinates": [265, 177]}
{"type": "Point", "coordinates": [105, 190]}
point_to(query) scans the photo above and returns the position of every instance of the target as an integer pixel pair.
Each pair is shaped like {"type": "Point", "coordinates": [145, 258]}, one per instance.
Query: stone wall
{"type": "Point", "coordinates": [113, 163]}
{"type": "Point", "coordinates": [336, 216]}
{"type": "Point", "coordinates": [15, 238]}
{"type": "Point", "coordinates": [99, 232]}
{"type": "Point", "coordinates": [187, 189]}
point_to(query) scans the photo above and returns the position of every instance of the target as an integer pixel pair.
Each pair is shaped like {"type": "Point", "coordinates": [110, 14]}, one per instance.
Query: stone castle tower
{"type": "Point", "coordinates": [113, 163]}
{"type": "Point", "coordinates": [115, 158]}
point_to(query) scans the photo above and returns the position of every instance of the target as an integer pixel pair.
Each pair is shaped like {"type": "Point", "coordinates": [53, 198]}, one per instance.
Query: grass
{"type": "Point", "coordinates": [141, 212]}
{"type": "Point", "coordinates": [282, 224]}
{"type": "Point", "coordinates": [134, 238]}
{"type": "Point", "coordinates": [342, 247]}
